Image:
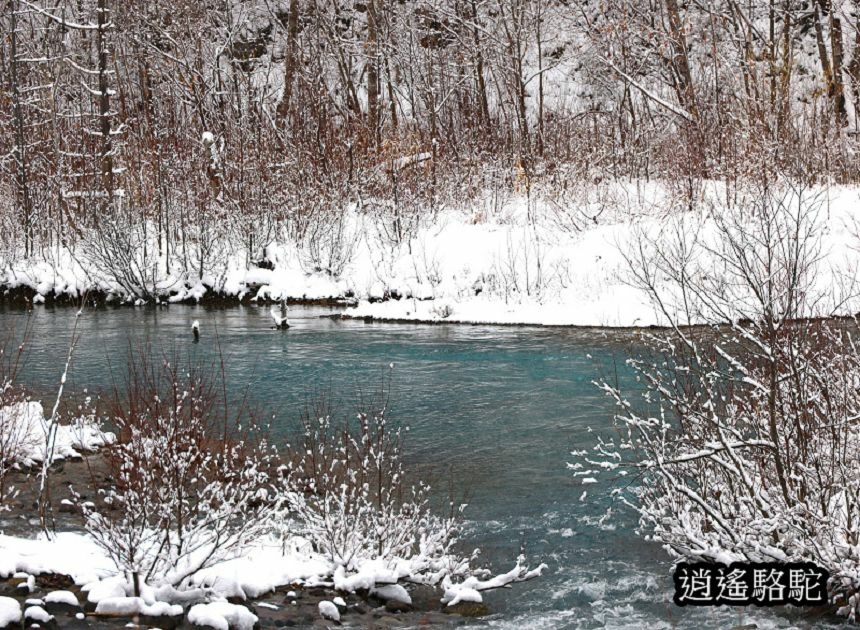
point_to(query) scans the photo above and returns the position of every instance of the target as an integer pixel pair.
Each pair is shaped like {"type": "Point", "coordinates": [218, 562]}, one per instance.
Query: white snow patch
{"type": "Point", "coordinates": [222, 616]}
{"type": "Point", "coordinates": [10, 611]}
{"type": "Point", "coordinates": [392, 592]}
{"type": "Point", "coordinates": [37, 613]}
{"type": "Point", "coordinates": [127, 606]}
{"type": "Point", "coordinates": [61, 597]}
{"type": "Point", "coordinates": [329, 611]}
{"type": "Point", "coordinates": [26, 422]}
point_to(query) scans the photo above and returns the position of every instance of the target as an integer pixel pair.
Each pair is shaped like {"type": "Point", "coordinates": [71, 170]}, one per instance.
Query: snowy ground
{"type": "Point", "coordinates": [252, 577]}
{"type": "Point", "coordinates": [25, 430]}
{"type": "Point", "coordinates": [512, 261]}
{"type": "Point", "coordinates": [266, 563]}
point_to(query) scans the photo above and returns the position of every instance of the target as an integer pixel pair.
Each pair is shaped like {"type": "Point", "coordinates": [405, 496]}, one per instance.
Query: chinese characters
{"type": "Point", "coordinates": [742, 584]}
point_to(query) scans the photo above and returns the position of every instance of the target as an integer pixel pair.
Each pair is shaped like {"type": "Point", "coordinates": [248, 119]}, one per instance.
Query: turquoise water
{"type": "Point", "coordinates": [496, 409]}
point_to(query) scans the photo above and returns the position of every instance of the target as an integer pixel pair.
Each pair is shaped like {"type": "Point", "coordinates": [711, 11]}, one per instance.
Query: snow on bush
{"type": "Point", "coordinates": [744, 433]}
{"type": "Point", "coordinates": [356, 507]}
{"type": "Point", "coordinates": [189, 484]}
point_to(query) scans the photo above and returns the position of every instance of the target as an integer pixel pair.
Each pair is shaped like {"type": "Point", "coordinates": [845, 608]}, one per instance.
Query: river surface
{"type": "Point", "coordinates": [495, 409]}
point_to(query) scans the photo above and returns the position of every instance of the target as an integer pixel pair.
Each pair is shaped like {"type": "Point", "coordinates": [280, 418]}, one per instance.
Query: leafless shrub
{"type": "Point", "coordinates": [356, 504]}
{"type": "Point", "coordinates": [328, 242]}
{"type": "Point", "coordinates": [744, 436]}
{"type": "Point", "coordinates": [189, 477]}
{"type": "Point", "coordinates": [14, 434]}
{"type": "Point", "coordinates": [121, 253]}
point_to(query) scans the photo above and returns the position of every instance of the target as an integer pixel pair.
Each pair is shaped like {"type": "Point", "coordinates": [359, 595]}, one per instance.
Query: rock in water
{"type": "Point", "coordinates": [329, 611]}
{"type": "Point", "coordinates": [468, 609]}
{"type": "Point", "coordinates": [10, 613]}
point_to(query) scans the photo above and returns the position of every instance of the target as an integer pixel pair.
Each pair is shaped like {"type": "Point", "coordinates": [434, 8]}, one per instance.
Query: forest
{"type": "Point", "coordinates": [143, 141]}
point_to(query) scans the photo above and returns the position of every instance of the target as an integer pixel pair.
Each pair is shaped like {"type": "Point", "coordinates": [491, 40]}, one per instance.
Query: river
{"type": "Point", "coordinates": [495, 409]}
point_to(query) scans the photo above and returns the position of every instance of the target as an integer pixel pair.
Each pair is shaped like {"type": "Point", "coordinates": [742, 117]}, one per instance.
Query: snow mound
{"type": "Point", "coordinates": [104, 589]}
{"type": "Point", "coordinates": [392, 593]}
{"type": "Point", "coordinates": [10, 612]}
{"type": "Point", "coordinates": [28, 428]}
{"type": "Point", "coordinates": [222, 616]}
{"type": "Point", "coordinates": [72, 554]}
{"type": "Point", "coordinates": [37, 614]}
{"type": "Point", "coordinates": [61, 597]}
{"type": "Point", "coordinates": [329, 611]}
{"type": "Point", "coordinates": [127, 606]}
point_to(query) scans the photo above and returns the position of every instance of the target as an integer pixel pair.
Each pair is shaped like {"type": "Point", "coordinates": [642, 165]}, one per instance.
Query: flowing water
{"type": "Point", "coordinates": [495, 409]}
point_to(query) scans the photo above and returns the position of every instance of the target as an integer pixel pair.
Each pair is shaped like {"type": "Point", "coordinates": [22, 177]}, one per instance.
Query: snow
{"type": "Point", "coordinates": [10, 612]}
{"type": "Point", "coordinates": [262, 568]}
{"type": "Point", "coordinates": [462, 593]}
{"type": "Point", "coordinates": [28, 585]}
{"type": "Point", "coordinates": [67, 553]}
{"type": "Point", "coordinates": [507, 260]}
{"type": "Point", "coordinates": [367, 577]}
{"type": "Point", "coordinates": [329, 611]}
{"type": "Point", "coordinates": [222, 616]}
{"type": "Point", "coordinates": [265, 566]}
{"type": "Point", "coordinates": [393, 593]}
{"type": "Point", "coordinates": [279, 317]}
{"type": "Point", "coordinates": [61, 597]}
{"type": "Point", "coordinates": [104, 589]}
{"type": "Point", "coordinates": [469, 590]}
{"type": "Point", "coordinates": [27, 422]}
{"type": "Point", "coordinates": [127, 606]}
{"type": "Point", "coordinates": [37, 613]}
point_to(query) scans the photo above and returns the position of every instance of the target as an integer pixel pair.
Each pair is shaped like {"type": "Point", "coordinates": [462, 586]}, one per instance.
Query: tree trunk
{"type": "Point", "coordinates": [289, 60]}
{"type": "Point", "coordinates": [837, 91]}
{"type": "Point", "coordinates": [372, 50]}
{"type": "Point", "coordinates": [680, 61]}
{"type": "Point", "coordinates": [20, 151]}
{"type": "Point", "coordinates": [106, 148]}
{"type": "Point", "coordinates": [483, 103]}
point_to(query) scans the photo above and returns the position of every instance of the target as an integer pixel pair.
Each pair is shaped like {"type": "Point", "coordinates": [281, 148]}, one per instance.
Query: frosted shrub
{"type": "Point", "coordinates": [355, 505]}
{"type": "Point", "coordinates": [188, 483]}
{"type": "Point", "coordinates": [14, 426]}
{"type": "Point", "coordinates": [14, 438]}
{"type": "Point", "coordinates": [744, 433]}
{"type": "Point", "coordinates": [329, 242]}
{"type": "Point", "coordinates": [352, 501]}
{"type": "Point", "coordinates": [122, 256]}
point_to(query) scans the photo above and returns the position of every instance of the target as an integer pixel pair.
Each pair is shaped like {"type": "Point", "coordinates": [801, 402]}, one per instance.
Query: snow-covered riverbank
{"type": "Point", "coordinates": [519, 262]}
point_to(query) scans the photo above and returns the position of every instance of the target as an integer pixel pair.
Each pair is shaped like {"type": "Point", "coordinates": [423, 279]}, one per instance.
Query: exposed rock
{"type": "Point", "coordinates": [395, 606]}
{"type": "Point", "coordinates": [38, 617]}
{"type": "Point", "coordinates": [467, 609]}
{"type": "Point", "coordinates": [62, 602]}
{"type": "Point", "coordinates": [54, 581]}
